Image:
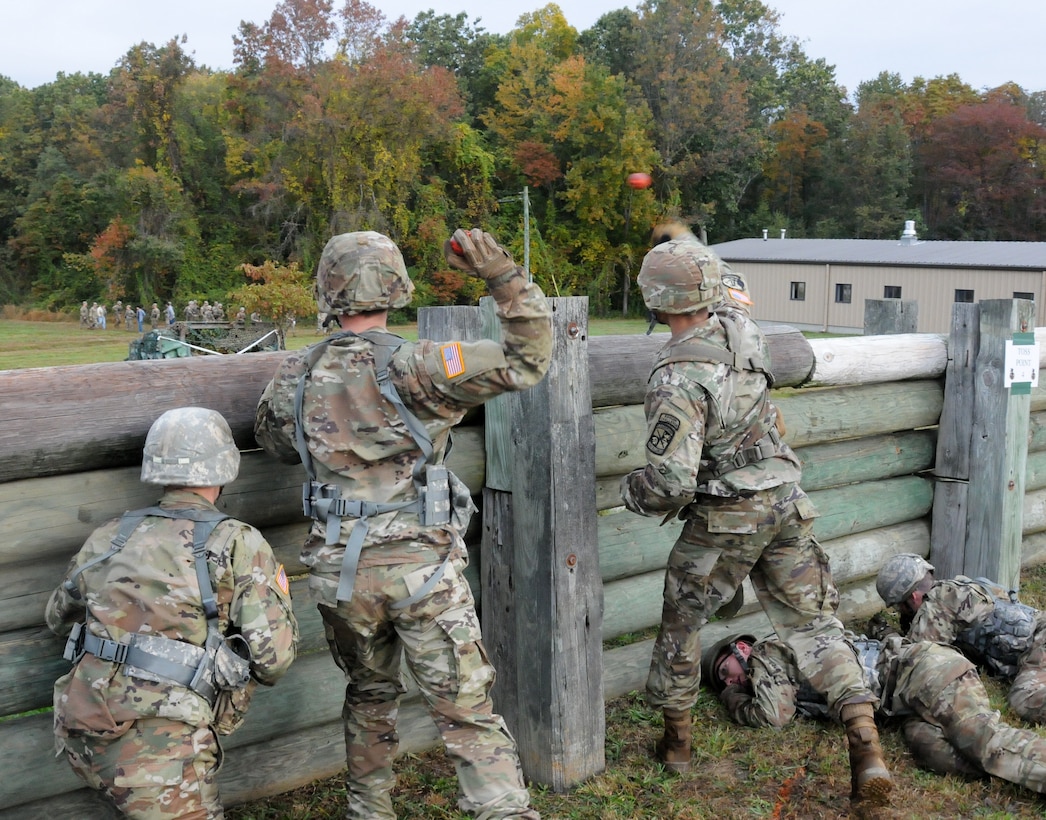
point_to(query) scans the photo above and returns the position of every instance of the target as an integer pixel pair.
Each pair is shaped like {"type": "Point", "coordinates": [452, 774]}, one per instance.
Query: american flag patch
{"type": "Point", "coordinates": [281, 580]}
{"type": "Point", "coordinates": [453, 362]}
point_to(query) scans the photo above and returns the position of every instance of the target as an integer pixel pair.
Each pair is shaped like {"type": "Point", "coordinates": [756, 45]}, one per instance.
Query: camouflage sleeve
{"type": "Point", "coordinates": [274, 416]}
{"type": "Point", "coordinates": [63, 610]}
{"type": "Point", "coordinates": [675, 415]}
{"type": "Point", "coordinates": [470, 373]}
{"type": "Point", "coordinates": [261, 605]}
{"type": "Point", "coordinates": [948, 609]}
{"type": "Point", "coordinates": [774, 684]}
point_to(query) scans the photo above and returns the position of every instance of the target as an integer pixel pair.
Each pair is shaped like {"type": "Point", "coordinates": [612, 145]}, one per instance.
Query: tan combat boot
{"type": "Point", "coordinates": [869, 778]}
{"type": "Point", "coordinates": [673, 749]}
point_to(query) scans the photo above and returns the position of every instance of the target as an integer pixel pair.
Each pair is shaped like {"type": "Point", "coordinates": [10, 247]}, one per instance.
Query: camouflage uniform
{"type": "Point", "coordinates": [149, 743]}
{"type": "Point", "coordinates": [751, 521]}
{"type": "Point", "coordinates": [948, 721]}
{"type": "Point", "coordinates": [360, 444]}
{"type": "Point", "coordinates": [953, 606]}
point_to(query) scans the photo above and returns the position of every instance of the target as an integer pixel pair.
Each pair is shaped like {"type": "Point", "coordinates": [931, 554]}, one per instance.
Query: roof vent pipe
{"type": "Point", "coordinates": [909, 236]}
{"type": "Point", "coordinates": [783, 232]}
{"type": "Point", "coordinates": [765, 232]}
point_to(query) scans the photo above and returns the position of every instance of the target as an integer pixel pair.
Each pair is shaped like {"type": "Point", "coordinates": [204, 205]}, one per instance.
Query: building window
{"type": "Point", "coordinates": [843, 293]}
{"type": "Point", "coordinates": [962, 295]}
{"type": "Point", "coordinates": [798, 292]}
{"type": "Point", "coordinates": [1023, 294]}
{"type": "Point", "coordinates": [891, 291]}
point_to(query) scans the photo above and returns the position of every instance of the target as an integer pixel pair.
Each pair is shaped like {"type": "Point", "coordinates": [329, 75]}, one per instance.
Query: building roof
{"type": "Point", "coordinates": [941, 254]}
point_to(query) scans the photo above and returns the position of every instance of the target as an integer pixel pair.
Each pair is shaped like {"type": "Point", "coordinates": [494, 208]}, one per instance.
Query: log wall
{"type": "Point", "coordinates": [867, 437]}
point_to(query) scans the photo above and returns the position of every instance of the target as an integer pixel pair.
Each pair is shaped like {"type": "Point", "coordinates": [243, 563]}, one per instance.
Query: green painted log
{"type": "Point", "coordinates": [631, 544]}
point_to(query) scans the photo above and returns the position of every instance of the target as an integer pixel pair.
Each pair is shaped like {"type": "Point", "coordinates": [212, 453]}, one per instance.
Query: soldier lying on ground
{"type": "Point", "coordinates": [931, 689]}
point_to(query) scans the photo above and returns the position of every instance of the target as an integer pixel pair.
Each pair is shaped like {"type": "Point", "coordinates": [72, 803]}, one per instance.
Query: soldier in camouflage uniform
{"type": "Point", "coordinates": [716, 460]}
{"type": "Point", "coordinates": [370, 416]}
{"type": "Point", "coordinates": [176, 613]}
{"type": "Point", "coordinates": [935, 692]}
{"type": "Point", "coordinates": [985, 622]}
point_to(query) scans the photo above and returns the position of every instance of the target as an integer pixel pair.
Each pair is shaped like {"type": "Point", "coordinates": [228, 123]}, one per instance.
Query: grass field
{"type": "Point", "coordinates": [48, 344]}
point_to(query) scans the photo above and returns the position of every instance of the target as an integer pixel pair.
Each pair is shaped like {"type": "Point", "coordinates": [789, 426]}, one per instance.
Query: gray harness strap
{"type": "Point", "coordinates": [324, 502]}
{"type": "Point", "coordinates": [131, 652]}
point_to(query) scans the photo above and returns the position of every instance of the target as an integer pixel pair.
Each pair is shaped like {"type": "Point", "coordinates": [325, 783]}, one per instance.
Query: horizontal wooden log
{"type": "Point", "coordinates": [1035, 472]}
{"type": "Point", "coordinates": [619, 365]}
{"type": "Point", "coordinates": [632, 544]}
{"type": "Point", "coordinates": [840, 413]}
{"type": "Point", "coordinates": [55, 422]}
{"type": "Point", "coordinates": [870, 359]}
{"type": "Point", "coordinates": [49, 517]}
{"type": "Point", "coordinates": [1034, 512]}
{"type": "Point", "coordinates": [812, 417]}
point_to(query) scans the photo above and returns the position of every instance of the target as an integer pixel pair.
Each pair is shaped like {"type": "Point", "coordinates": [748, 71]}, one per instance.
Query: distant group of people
{"type": "Point", "coordinates": [134, 318]}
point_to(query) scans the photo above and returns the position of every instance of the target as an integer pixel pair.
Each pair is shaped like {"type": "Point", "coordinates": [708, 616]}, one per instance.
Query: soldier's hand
{"type": "Point", "coordinates": [479, 253]}
{"type": "Point", "coordinates": [879, 628]}
{"type": "Point", "coordinates": [734, 697]}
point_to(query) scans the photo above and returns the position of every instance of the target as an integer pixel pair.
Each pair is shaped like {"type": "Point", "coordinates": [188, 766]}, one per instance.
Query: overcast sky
{"type": "Point", "coordinates": [986, 44]}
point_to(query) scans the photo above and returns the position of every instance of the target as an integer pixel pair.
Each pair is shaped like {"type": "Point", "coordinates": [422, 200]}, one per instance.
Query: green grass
{"type": "Point", "coordinates": [47, 344]}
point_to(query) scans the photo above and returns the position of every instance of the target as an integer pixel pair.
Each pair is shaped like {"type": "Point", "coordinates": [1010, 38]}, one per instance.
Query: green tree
{"type": "Point", "coordinates": [278, 292]}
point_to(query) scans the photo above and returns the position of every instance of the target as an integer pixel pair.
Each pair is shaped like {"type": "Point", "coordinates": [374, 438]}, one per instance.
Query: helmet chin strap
{"type": "Point", "coordinates": [652, 318]}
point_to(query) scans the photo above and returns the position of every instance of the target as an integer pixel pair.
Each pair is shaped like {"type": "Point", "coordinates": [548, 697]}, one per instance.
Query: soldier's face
{"type": "Point", "coordinates": [730, 670]}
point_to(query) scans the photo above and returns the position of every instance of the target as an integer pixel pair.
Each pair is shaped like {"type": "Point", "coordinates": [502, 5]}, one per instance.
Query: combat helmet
{"type": "Point", "coordinates": [680, 276]}
{"type": "Point", "coordinates": [900, 575]}
{"type": "Point", "coordinates": [190, 447]}
{"type": "Point", "coordinates": [710, 660]}
{"type": "Point", "coordinates": [360, 272]}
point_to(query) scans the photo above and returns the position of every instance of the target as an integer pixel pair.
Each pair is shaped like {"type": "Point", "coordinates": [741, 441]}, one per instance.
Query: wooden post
{"type": "Point", "coordinates": [885, 316]}
{"type": "Point", "coordinates": [542, 592]}
{"type": "Point", "coordinates": [982, 448]}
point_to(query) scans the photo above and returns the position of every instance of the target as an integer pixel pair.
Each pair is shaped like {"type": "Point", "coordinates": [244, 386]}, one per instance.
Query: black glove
{"type": "Point", "coordinates": [734, 697]}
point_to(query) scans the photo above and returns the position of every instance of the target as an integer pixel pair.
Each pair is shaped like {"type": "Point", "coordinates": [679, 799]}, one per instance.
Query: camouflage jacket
{"type": "Point", "coordinates": [901, 674]}
{"type": "Point", "coordinates": [962, 612]}
{"type": "Point", "coordinates": [150, 586]}
{"type": "Point", "coordinates": [358, 440]}
{"type": "Point", "coordinates": [699, 415]}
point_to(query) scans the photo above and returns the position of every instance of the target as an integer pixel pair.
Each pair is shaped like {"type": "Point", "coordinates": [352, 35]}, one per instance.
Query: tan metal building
{"type": "Point", "coordinates": [822, 284]}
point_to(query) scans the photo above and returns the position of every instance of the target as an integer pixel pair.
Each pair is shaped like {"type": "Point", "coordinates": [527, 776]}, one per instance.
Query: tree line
{"type": "Point", "coordinates": [169, 180]}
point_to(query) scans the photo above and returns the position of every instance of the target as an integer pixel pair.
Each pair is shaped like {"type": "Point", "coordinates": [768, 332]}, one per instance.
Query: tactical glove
{"type": "Point", "coordinates": [479, 253]}
{"type": "Point", "coordinates": [734, 697]}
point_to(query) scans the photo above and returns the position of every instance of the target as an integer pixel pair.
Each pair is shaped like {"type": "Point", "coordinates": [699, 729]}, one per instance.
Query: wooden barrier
{"type": "Point", "coordinates": [867, 437]}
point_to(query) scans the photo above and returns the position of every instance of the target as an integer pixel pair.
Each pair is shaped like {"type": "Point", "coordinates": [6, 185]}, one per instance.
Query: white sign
{"type": "Point", "coordinates": [1022, 364]}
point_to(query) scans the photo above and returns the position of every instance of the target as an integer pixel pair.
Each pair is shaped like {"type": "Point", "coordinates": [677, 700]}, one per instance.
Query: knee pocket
{"type": "Point", "coordinates": [475, 674]}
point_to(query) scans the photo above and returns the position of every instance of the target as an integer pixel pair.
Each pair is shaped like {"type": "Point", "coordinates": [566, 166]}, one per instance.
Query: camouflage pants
{"type": "Point", "coordinates": [769, 538]}
{"type": "Point", "coordinates": [158, 770]}
{"type": "Point", "coordinates": [439, 637]}
{"type": "Point", "coordinates": [960, 716]}
{"type": "Point", "coordinates": [1027, 696]}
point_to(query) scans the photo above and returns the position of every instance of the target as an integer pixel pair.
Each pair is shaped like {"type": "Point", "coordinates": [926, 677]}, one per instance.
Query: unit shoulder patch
{"type": "Point", "coordinates": [663, 433]}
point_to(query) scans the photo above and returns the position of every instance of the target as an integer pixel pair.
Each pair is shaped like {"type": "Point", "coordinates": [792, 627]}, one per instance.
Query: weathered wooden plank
{"type": "Point", "coordinates": [871, 359]}
{"type": "Point", "coordinates": [548, 547]}
{"type": "Point", "coordinates": [889, 316]}
{"type": "Point", "coordinates": [997, 449]}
